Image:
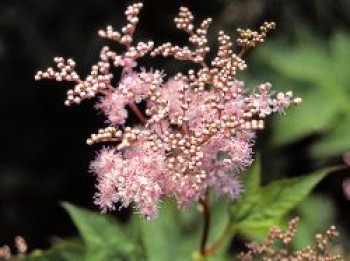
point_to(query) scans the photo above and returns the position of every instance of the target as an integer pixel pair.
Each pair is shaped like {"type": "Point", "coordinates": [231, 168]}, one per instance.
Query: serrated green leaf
{"type": "Point", "coordinates": [274, 201]}
{"type": "Point", "coordinates": [104, 237]}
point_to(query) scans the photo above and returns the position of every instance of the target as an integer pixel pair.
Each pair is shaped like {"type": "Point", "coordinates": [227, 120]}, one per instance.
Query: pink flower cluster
{"type": "Point", "coordinates": [197, 131]}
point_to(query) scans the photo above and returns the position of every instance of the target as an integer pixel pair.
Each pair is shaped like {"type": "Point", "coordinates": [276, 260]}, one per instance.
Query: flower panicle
{"type": "Point", "coordinates": [197, 130]}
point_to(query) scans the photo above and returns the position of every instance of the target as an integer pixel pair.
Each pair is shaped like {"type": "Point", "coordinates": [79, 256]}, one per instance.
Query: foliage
{"type": "Point", "coordinates": [322, 77]}
{"type": "Point", "coordinates": [261, 207]}
{"type": "Point", "coordinates": [310, 210]}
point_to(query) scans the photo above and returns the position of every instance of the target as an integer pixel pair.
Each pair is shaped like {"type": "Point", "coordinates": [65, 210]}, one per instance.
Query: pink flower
{"type": "Point", "coordinates": [113, 106]}
{"type": "Point", "coordinates": [108, 167]}
{"type": "Point", "coordinates": [133, 87]}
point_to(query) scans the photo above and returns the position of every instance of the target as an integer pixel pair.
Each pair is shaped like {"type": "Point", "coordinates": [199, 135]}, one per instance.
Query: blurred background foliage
{"type": "Point", "coordinates": [44, 159]}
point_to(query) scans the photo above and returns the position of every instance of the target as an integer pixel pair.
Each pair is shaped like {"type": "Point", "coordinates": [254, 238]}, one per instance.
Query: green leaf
{"type": "Point", "coordinates": [336, 141]}
{"type": "Point", "coordinates": [311, 222]}
{"type": "Point", "coordinates": [324, 75]}
{"type": "Point", "coordinates": [252, 177]}
{"type": "Point", "coordinates": [242, 208]}
{"type": "Point", "coordinates": [161, 237]}
{"type": "Point", "coordinates": [177, 234]}
{"type": "Point", "coordinates": [174, 234]}
{"type": "Point", "coordinates": [303, 62]}
{"type": "Point", "coordinates": [272, 202]}
{"type": "Point", "coordinates": [64, 250]}
{"type": "Point", "coordinates": [306, 119]}
{"type": "Point", "coordinates": [105, 239]}
{"type": "Point", "coordinates": [340, 52]}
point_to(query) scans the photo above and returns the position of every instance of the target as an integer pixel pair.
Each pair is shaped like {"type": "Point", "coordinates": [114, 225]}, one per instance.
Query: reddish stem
{"type": "Point", "coordinates": [138, 113]}
{"type": "Point", "coordinates": [206, 226]}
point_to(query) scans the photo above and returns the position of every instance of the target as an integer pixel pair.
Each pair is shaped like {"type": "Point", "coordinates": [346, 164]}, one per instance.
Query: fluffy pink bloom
{"type": "Point", "coordinates": [128, 180]}
{"type": "Point", "coordinates": [133, 88]}
{"type": "Point", "coordinates": [193, 141]}
{"type": "Point", "coordinates": [241, 150]}
{"type": "Point", "coordinates": [190, 189]}
{"type": "Point", "coordinates": [113, 106]}
{"type": "Point", "coordinates": [171, 93]}
{"type": "Point", "coordinates": [136, 86]}
{"type": "Point", "coordinates": [108, 166]}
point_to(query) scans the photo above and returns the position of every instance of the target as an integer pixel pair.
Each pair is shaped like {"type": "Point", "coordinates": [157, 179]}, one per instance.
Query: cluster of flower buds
{"type": "Point", "coordinates": [127, 31]}
{"type": "Point", "coordinates": [98, 80]}
{"type": "Point", "coordinates": [197, 36]}
{"type": "Point", "coordinates": [268, 251]}
{"type": "Point", "coordinates": [226, 59]}
{"type": "Point", "coordinates": [248, 38]}
{"type": "Point", "coordinates": [129, 136]}
{"type": "Point", "coordinates": [197, 130]}
{"type": "Point", "coordinates": [184, 20]}
{"type": "Point", "coordinates": [106, 134]}
{"type": "Point", "coordinates": [66, 71]}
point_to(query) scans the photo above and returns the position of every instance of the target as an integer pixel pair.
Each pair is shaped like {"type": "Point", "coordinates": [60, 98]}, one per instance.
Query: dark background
{"type": "Point", "coordinates": [43, 156]}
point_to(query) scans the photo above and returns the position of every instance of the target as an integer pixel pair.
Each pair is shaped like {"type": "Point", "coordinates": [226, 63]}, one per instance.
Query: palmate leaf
{"type": "Point", "coordinates": [263, 207]}
{"type": "Point", "coordinates": [326, 92]}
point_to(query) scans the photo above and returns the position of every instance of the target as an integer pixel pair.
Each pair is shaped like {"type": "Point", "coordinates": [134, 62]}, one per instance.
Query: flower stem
{"type": "Point", "coordinates": [211, 249]}
{"type": "Point", "coordinates": [206, 225]}
{"type": "Point", "coordinates": [138, 113]}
